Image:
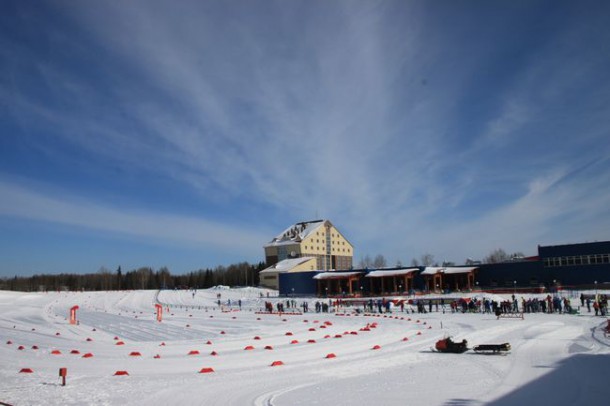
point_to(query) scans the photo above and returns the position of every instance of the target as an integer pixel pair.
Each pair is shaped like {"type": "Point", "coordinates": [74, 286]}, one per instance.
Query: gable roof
{"type": "Point", "coordinates": [393, 272]}
{"type": "Point", "coordinates": [296, 233]}
{"type": "Point", "coordinates": [286, 265]}
{"type": "Point", "coordinates": [336, 275]}
{"type": "Point", "coordinates": [431, 270]}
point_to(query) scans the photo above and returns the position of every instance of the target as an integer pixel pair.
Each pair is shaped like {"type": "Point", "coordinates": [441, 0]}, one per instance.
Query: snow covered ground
{"type": "Point", "coordinates": [555, 359]}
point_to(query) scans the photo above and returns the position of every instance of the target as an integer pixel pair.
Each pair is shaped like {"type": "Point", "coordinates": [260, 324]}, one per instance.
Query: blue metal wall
{"type": "Point", "coordinates": [303, 283]}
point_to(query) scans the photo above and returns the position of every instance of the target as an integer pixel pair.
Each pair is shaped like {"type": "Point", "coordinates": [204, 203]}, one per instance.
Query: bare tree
{"type": "Point", "coordinates": [427, 259]}
{"type": "Point", "coordinates": [365, 262]}
{"type": "Point", "coordinates": [414, 262]}
{"type": "Point", "coordinates": [380, 262]}
{"type": "Point", "coordinates": [143, 276]}
{"type": "Point", "coordinates": [497, 256]}
{"type": "Point", "coordinates": [105, 278]}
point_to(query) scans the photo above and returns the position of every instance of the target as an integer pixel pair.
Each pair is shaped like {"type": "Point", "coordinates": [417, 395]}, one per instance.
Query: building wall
{"type": "Point", "coordinates": [303, 283]}
{"type": "Point", "coordinates": [504, 275]}
{"type": "Point", "coordinates": [326, 244]}
{"type": "Point", "coordinates": [565, 265]}
{"type": "Point", "coordinates": [269, 280]}
{"type": "Point", "coordinates": [278, 253]}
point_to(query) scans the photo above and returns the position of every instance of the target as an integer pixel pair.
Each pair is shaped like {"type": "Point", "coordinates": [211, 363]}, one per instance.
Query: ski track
{"type": "Point", "coordinates": [398, 368]}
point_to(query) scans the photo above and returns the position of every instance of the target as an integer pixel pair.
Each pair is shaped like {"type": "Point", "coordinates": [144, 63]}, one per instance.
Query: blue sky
{"type": "Point", "coordinates": [188, 134]}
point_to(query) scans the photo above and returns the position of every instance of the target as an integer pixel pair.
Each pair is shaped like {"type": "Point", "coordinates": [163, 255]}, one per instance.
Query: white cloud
{"type": "Point", "coordinates": [332, 111]}
{"type": "Point", "coordinates": [24, 202]}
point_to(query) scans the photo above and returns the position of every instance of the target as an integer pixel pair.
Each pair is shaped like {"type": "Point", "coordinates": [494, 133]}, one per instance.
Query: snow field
{"type": "Point", "coordinates": [384, 359]}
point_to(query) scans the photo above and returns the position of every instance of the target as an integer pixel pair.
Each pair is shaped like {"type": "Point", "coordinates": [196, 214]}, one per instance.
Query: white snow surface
{"type": "Point", "coordinates": [556, 359]}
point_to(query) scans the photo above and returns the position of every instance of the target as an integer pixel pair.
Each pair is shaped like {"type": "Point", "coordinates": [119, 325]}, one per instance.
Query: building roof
{"type": "Point", "coordinates": [298, 232]}
{"type": "Point", "coordinates": [431, 270]}
{"type": "Point", "coordinates": [335, 275]}
{"type": "Point", "coordinates": [392, 272]}
{"type": "Point", "coordinates": [287, 264]}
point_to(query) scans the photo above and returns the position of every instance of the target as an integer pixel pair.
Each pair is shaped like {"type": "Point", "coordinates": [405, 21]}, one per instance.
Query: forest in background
{"type": "Point", "coordinates": [241, 274]}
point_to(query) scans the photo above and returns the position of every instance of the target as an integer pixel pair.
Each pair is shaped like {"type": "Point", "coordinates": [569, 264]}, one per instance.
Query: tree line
{"type": "Point", "coordinates": [494, 257]}
{"type": "Point", "coordinates": [240, 274]}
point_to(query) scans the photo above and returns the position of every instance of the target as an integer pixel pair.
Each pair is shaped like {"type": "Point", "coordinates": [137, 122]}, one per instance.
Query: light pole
{"type": "Point", "coordinates": [361, 294]}
{"type": "Point", "coordinates": [596, 291]}
{"type": "Point", "coordinates": [514, 287]}
{"type": "Point", "coordinates": [400, 288]}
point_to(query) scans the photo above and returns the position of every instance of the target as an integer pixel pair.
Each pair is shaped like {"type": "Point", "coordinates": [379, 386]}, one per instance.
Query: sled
{"type": "Point", "coordinates": [448, 345]}
{"type": "Point", "coordinates": [491, 348]}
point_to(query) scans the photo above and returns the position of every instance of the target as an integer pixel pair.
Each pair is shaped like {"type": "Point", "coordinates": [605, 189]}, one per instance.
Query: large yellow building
{"type": "Point", "coordinates": [316, 239]}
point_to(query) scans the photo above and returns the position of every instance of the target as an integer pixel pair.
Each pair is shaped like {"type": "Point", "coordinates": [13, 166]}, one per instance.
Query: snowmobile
{"type": "Point", "coordinates": [448, 345]}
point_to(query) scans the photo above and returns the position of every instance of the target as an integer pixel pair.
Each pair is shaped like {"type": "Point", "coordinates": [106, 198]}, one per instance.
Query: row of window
{"type": "Point", "coordinates": [332, 242]}
{"type": "Point", "coordinates": [322, 248]}
{"type": "Point", "coordinates": [577, 260]}
{"type": "Point", "coordinates": [332, 235]}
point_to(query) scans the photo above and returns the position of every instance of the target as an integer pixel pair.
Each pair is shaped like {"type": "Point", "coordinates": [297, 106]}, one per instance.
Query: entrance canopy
{"type": "Point", "coordinates": [445, 278]}
{"type": "Point", "coordinates": [395, 272]}
{"type": "Point", "coordinates": [335, 275]}
{"type": "Point", "coordinates": [431, 270]}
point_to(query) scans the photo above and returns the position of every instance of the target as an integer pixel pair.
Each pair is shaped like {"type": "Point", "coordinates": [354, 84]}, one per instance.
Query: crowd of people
{"type": "Point", "coordinates": [544, 304]}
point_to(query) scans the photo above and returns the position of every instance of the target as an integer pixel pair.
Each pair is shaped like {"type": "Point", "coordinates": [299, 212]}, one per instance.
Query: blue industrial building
{"type": "Point", "coordinates": [584, 265]}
